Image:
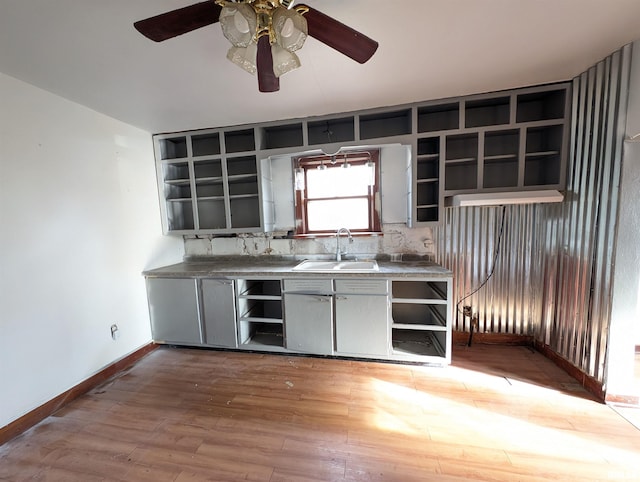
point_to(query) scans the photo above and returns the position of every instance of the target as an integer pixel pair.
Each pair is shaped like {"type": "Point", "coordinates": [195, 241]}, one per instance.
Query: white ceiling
{"type": "Point", "coordinates": [87, 51]}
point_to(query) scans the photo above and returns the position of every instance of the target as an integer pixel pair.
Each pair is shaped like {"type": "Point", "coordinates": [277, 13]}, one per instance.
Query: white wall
{"type": "Point", "coordinates": [79, 221]}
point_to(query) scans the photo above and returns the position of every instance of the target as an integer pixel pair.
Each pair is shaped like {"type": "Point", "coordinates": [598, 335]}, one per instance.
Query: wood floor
{"type": "Point", "coordinates": [498, 413]}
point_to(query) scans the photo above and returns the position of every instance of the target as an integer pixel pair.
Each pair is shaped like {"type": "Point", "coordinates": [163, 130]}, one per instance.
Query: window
{"type": "Point", "coordinates": [335, 192]}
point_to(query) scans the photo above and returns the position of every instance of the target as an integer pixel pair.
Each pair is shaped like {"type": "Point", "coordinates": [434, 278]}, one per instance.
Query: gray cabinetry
{"type": "Point", "coordinates": [421, 311]}
{"type": "Point", "coordinates": [219, 313]}
{"type": "Point", "coordinates": [308, 315]}
{"type": "Point", "coordinates": [173, 308]}
{"type": "Point", "coordinates": [218, 180]}
{"type": "Point", "coordinates": [309, 323]}
{"type": "Point", "coordinates": [211, 181]}
{"type": "Point", "coordinates": [259, 308]}
{"type": "Point", "coordinates": [362, 317]}
{"type": "Point", "coordinates": [508, 141]}
{"type": "Point", "coordinates": [381, 317]}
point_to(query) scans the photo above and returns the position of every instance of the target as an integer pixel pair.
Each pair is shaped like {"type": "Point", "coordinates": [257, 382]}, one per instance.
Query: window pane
{"type": "Point", "coordinates": [338, 182]}
{"type": "Point", "coordinates": [339, 213]}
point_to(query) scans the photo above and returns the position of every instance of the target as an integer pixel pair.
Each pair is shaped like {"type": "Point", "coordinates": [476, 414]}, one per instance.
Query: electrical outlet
{"type": "Point", "coordinates": [115, 334]}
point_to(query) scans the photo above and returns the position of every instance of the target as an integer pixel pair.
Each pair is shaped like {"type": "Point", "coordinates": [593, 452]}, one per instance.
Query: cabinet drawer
{"type": "Point", "coordinates": [362, 286]}
{"type": "Point", "coordinates": [317, 286]}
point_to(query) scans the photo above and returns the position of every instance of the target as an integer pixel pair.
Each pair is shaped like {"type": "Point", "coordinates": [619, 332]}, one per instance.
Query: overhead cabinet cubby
{"type": "Point", "coordinates": [387, 124]}
{"type": "Point", "coordinates": [331, 130]}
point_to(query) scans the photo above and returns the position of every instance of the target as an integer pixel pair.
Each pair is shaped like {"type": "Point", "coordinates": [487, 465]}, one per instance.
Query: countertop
{"type": "Point", "coordinates": [282, 266]}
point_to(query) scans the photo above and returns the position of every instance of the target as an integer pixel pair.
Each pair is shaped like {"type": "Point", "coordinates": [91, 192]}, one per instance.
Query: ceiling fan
{"type": "Point", "coordinates": [264, 33]}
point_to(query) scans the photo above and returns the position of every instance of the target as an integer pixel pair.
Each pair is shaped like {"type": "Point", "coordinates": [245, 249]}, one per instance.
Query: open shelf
{"type": "Point", "coordinates": [206, 144]}
{"type": "Point", "coordinates": [537, 106]}
{"type": "Point", "coordinates": [259, 288]}
{"type": "Point", "coordinates": [501, 158]}
{"type": "Point", "coordinates": [487, 112]}
{"type": "Point", "coordinates": [442, 117]}
{"type": "Point", "coordinates": [419, 315]}
{"type": "Point", "coordinates": [239, 141]}
{"type": "Point", "coordinates": [413, 343]}
{"type": "Point", "coordinates": [173, 148]}
{"type": "Point", "coordinates": [211, 213]}
{"type": "Point", "coordinates": [258, 334]}
{"type": "Point", "coordinates": [419, 290]}
{"type": "Point", "coordinates": [277, 137]}
{"type": "Point", "coordinates": [427, 193]}
{"type": "Point", "coordinates": [259, 306]}
{"type": "Point", "coordinates": [331, 130]}
{"type": "Point", "coordinates": [420, 323]}
{"type": "Point", "coordinates": [385, 124]}
{"type": "Point", "coordinates": [206, 169]}
{"type": "Point", "coordinates": [180, 215]}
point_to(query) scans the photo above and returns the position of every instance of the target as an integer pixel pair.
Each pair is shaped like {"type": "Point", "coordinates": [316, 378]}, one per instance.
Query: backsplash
{"type": "Point", "coordinates": [395, 239]}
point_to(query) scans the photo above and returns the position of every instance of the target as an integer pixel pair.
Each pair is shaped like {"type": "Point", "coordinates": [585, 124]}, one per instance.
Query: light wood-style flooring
{"type": "Point", "coordinates": [498, 413]}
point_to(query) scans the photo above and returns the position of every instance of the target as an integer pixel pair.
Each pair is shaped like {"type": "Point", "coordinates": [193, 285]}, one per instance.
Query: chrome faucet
{"type": "Point", "coordinates": [339, 253]}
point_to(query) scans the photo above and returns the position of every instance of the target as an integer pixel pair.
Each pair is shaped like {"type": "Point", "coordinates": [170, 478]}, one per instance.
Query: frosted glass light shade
{"type": "Point", "coordinates": [283, 60]}
{"type": "Point", "coordinates": [290, 28]}
{"type": "Point", "coordinates": [244, 57]}
{"type": "Point", "coordinates": [238, 23]}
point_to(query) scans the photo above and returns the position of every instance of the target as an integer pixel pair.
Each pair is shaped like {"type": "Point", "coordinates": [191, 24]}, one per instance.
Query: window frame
{"type": "Point", "coordinates": [355, 158]}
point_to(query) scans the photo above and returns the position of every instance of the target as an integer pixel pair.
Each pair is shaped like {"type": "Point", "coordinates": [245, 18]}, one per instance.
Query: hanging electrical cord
{"type": "Point", "coordinates": [486, 280]}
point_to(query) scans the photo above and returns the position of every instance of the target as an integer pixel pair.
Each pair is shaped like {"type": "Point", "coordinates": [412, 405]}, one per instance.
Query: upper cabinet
{"type": "Point", "coordinates": [218, 180]}
{"type": "Point", "coordinates": [212, 182]}
{"type": "Point", "coordinates": [507, 141]}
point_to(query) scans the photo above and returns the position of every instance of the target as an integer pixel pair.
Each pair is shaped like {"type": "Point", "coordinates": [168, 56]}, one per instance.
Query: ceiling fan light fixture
{"type": "Point", "coordinates": [290, 29]}
{"type": "Point", "coordinates": [238, 22]}
{"type": "Point", "coordinates": [283, 60]}
{"type": "Point", "coordinates": [244, 57]}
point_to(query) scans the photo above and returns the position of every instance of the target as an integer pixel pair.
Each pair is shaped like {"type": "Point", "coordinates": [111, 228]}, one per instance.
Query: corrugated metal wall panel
{"type": "Point", "coordinates": [467, 244]}
{"type": "Point", "coordinates": [576, 324]}
{"type": "Point", "coordinates": [552, 276]}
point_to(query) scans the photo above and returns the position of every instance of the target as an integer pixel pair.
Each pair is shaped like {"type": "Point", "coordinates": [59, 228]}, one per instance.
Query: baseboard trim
{"type": "Point", "coordinates": [627, 400]}
{"type": "Point", "coordinates": [588, 382]}
{"type": "Point", "coordinates": [38, 414]}
{"type": "Point", "coordinates": [462, 337]}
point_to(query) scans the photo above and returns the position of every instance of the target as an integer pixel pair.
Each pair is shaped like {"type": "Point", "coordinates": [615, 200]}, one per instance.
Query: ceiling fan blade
{"type": "Point", "coordinates": [339, 36]}
{"type": "Point", "coordinates": [267, 80]}
{"type": "Point", "coordinates": [176, 22]}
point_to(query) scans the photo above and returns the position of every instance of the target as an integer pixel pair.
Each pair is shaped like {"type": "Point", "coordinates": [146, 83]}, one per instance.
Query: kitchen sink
{"type": "Point", "coordinates": [325, 266]}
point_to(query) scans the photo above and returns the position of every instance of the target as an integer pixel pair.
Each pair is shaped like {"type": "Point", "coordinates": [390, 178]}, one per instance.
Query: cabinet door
{"type": "Point", "coordinates": [219, 314]}
{"type": "Point", "coordinates": [361, 324]}
{"type": "Point", "coordinates": [308, 323]}
{"type": "Point", "coordinates": [173, 307]}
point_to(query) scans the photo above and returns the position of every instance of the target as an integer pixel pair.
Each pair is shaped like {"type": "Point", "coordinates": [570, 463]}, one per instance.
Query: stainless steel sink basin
{"type": "Point", "coordinates": [325, 266]}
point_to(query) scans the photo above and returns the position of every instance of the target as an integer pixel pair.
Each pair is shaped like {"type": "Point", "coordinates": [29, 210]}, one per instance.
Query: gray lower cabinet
{"type": "Point", "coordinates": [219, 313]}
{"type": "Point", "coordinates": [309, 322]}
{"type": "Point", "coordinates": [173, 307]}
{"type": "Point", "coordinates": [406, 318]}
{"type": "Point", "coordinates": [362, 314]}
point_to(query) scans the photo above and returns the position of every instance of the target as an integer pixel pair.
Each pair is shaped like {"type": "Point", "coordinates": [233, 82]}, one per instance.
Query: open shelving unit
{"type": "Point", "coordinates": [259, 308]}
{"type": "Point", "coordinates": [211, 181]}
{"type": "Point", "coordinates": [421, 319]}
{"type": "Point", "coordinates": [427, 173]}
